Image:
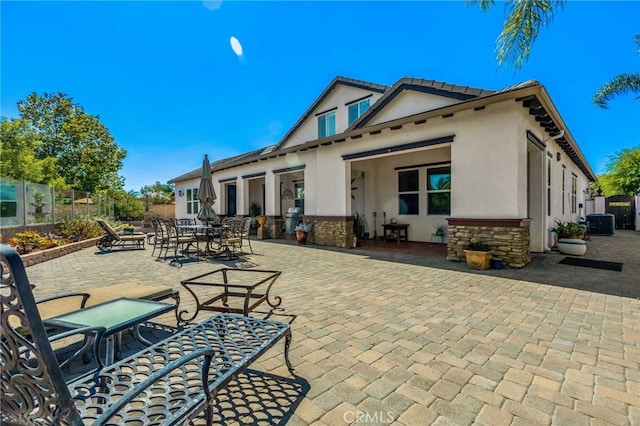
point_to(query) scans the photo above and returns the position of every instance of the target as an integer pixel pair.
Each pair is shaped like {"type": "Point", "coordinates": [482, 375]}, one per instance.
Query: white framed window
{"type": "Point", "coordinates": [327, 124]}
{"type": "Point", "coordinates": [439, 190]}
{"type": "Point", "coordinates": [564, 171]}
{"type": "Point", "coordinates": [574, 193]}
{"type": "Point", "coordinates": [357, 109]}
{"type": "Point", "coordinates": [409, 192]}
{"type": "Point", "coordinates": [549, 160]}
{"type": "Point", "coordinates": [193, 204]}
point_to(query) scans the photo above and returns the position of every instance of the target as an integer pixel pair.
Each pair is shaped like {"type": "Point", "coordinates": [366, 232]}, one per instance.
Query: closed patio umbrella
{"type": "Point", "coordinates": [206, 194]}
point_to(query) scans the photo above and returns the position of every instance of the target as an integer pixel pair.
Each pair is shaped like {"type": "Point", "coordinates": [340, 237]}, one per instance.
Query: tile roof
{"type": "Point", "coordinates": [462, 93]}
{"type": "Point", "coordinates": [435, 87]}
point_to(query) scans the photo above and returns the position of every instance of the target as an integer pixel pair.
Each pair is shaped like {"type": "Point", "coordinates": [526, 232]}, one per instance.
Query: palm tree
{"type": "Point", "coordinates": [620, 84]}
{"type": "Point", "coordinates": [520, 29]}
{"type": "Point", "coordinates": [521, 26]}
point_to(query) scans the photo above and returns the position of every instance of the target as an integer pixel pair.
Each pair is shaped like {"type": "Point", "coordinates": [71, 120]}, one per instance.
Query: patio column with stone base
{"type": "Point", "coordinates": [336, 231]}
{"type": "Point", "coordinates": [509, 238]}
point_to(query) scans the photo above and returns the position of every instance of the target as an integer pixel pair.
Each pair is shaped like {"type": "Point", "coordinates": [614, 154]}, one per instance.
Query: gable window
{"type": "Point", "coordinates": [357, 109]}
{"type": "Point", "coordinates": [327, 124]}
{"type": "Point", "coordinates": [574, 193]}
{"type": "Point", "coordinates": [439, 190]}
{"type": "Point", "coordinates": [192, 201]}
{"type": "Point", "coordinates": [408, 192]}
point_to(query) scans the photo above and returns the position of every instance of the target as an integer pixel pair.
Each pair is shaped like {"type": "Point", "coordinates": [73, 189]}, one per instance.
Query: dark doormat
{"type": "Point", "coordinates": [590, 263]}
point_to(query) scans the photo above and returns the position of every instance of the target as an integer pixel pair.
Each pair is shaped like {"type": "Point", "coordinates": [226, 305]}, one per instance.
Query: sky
{"type": "Point", "coordinates": [173, 81]}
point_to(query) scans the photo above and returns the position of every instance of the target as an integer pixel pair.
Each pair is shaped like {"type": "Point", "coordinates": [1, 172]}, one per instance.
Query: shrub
{"type": "Point", "coordinates": [478, 246]}
{"type": "Point", "coordinates": [80, 228]}
{"type": "Point", "coordinates": [21, 239]}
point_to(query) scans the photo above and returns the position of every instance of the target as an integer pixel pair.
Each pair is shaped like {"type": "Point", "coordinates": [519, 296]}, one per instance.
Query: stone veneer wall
{"type": "Point", "coordinates": [336, 231]}
{"type": "Point", "coordinates": [509, 238]}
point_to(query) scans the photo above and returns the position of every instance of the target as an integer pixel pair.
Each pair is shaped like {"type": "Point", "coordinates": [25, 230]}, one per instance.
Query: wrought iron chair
{"type": "Point", "coordinates": [246, 230]}
{"type": "Point", "coordinates": [34, 391]}
{"type": "Point", "coordinates": [177, 242]}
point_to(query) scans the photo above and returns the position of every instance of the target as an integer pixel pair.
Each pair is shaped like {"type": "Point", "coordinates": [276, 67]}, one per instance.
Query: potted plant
{"type": "Point", "coordinates": [128, 229]}
{"type": "Point", "coordinates": [302, 232]}
{"type": "Point", "coordinates": [254, 212]}
{"type": "Point", "coordinates": [571, 238]}
{"type": "Point", "coordinates": [478, 255]}
{"type": "Point", "coordinates": [438, 235]}
{"type": "Point", "coordinates": [359, 224]}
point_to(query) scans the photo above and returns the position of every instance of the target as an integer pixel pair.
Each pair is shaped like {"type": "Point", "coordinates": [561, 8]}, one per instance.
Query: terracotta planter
{"type": "Point", "coordinates": [262, 220]}
{"type": "Point", "coordinates": [301, 236]}
{"type": "Point", "coordinates": [478, 259]}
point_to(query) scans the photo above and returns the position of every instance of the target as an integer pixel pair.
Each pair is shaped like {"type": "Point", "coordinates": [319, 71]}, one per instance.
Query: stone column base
{"type": "Point", "coordinates": [509, 238]}
{"type": "Point", "coordinates": [336, 231]}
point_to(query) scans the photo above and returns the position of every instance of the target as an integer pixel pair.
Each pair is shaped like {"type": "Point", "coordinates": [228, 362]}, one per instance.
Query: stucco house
{"type": "Point", "coordinates": [499, 166]}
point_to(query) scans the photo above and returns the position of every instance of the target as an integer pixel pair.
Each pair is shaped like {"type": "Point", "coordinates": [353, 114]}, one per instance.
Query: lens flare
{"type": "Point", "coordinates": [236, 46]}
{"type": "Point", "coordinates": [212, 4]}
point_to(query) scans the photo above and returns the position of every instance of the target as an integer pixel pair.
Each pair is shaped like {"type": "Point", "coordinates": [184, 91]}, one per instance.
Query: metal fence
{"type": "Point", "coordinates": [25, 203]}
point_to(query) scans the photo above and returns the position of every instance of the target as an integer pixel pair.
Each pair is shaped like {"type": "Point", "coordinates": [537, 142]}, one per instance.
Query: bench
{"type": "Point", "coordinates": [170, 382]}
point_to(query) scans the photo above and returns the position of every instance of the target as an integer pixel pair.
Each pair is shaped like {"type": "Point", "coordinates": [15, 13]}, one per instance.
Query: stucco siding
{"type": "Point", "coordinates": [411, 102]}
{"type": "Point", "coordinates": [337, 99]}
{"type": "Point", "coordinates": [485, 162]}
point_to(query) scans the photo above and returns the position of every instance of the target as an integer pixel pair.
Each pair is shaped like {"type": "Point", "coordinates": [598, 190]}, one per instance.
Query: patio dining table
{"type": "Point", "coordinates": [211, 236]}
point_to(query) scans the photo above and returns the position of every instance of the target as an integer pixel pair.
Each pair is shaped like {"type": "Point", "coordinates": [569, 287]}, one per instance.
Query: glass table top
{"type": "Point", "coordinates": [118, 313]}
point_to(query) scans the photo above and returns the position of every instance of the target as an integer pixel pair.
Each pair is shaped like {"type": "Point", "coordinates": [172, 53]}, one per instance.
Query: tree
{"type": "Point", "coordinates": [18, 145]}
{"type": "Point", "coordinates": [623, 173]}
{"type": "Point", "coordinates": [620, 84]}
{"type": "Point", "coordinates": [87, 156]}
{"type": "Point", "coordinates": [128, 206]}
{"type": "Point", "coordinates": [521, 26]}
{"type": "Point", "coordinates": [158, 193]}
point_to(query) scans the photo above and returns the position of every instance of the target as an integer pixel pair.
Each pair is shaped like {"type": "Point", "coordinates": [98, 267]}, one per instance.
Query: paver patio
{"type": "Point", "coordinates": [428, 341]}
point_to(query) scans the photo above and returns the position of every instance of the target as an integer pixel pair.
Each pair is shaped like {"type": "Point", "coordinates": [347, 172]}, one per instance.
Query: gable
{"type": "Point", "coordinates": [407, 103]}
{"type": "Point", "coordinates": [336, 98]}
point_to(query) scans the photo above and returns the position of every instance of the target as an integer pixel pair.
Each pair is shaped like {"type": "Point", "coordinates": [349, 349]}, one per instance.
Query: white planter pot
{"type": "Point", "coordinates": [572, 246]}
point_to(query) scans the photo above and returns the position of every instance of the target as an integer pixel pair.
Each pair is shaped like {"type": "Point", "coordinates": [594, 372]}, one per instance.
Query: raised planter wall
{"type": "Point", "coordinates": [509, 239]}
{"type": "Point", "coordinates": [40, 256]}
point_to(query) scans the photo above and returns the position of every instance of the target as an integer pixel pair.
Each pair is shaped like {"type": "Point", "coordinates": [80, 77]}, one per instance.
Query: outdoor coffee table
{"type": "Point", "coordinates": [212, 291]}
{"type": "Point", "coordinates": [116, 316]}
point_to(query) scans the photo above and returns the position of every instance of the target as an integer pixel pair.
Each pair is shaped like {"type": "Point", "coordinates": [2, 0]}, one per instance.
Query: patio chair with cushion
{"type": "Point", "coordinates": [112, 238]}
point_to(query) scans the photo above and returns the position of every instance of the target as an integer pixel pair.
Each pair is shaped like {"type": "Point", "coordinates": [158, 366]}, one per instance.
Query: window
{"type": "Point", "coordinates": [192, 201]}
{"type": "Point", "coordinates": [327, 124]}
{"type": "Point", "coordinates": [357, 109]}
{"type": "Point", "coordinates": [563, 186]}
{"type": "Point", "coordinates": [439, 190]}
{"type": "Point", "coordinates": [408, 192]}
{"type": "Point", "coordinates": [574, 193]}
{"type": "Point", "coordinates": [549, 185]}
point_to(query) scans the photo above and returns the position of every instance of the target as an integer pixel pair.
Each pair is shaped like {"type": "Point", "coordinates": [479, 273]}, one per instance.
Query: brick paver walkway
{"type": "Point", "coordinates": [428, 341]}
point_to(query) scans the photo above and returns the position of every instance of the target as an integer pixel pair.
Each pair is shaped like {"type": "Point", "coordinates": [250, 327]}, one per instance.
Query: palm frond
{"type": "Point", "coordinates": [619, 85]}
{"type": "Point", "coordinates": [484, 4]}
{"type": "Point", "coordinates": [521, 28]}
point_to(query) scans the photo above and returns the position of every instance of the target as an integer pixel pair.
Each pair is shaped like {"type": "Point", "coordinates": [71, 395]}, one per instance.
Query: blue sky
{"type": "Point", "coordinates": [165, 81]}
